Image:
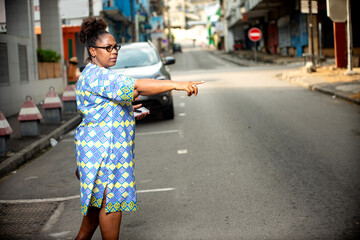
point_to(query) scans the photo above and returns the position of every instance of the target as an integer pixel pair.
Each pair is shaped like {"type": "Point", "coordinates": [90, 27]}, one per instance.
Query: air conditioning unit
{"type": "Point", "coordinates": [336, 10]}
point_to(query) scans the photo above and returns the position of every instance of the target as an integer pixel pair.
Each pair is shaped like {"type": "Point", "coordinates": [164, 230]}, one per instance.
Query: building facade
{"type": "Point", "coordinates": [24, 28]}
{"type": "Point", "coordinates": [18, 58]}
{"type": "Point", "coordinates": [285, 26]}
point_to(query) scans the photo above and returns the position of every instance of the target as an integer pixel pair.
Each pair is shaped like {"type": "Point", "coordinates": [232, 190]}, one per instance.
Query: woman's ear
{"type": "Point", "coordinates": [92, 52]}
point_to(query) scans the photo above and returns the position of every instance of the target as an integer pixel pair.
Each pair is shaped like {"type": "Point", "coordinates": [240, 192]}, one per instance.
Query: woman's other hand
{"type": "Point", "coordinates": [142, 115]}
{"type": "Point", "coordinates": [190, 87]}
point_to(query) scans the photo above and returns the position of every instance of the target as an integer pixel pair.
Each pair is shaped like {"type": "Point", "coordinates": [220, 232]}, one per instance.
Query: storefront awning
{"type": "Point", "coordinates": [115, 15]}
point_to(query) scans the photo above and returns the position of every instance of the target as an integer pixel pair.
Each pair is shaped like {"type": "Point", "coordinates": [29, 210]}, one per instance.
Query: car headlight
{"type": "Point", "coordinates": [160, 77]}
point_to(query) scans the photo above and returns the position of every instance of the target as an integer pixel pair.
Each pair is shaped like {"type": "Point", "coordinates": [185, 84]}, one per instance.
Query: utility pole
{"type": "Point", "coordinates": [349, 40]}
{"type": "Point", "coordinates": [311, 34]}
{"type": "Point", "coordinates": [91, 8]}
{"type": "Point", "coordinates": [169, 36]}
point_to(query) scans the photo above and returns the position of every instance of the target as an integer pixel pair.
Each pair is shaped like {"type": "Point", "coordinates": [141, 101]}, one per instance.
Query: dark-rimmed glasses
{"type": "Point", "coordinates": [110, 47]}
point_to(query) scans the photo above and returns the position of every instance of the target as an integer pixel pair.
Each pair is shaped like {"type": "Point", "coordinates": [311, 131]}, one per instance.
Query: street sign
{"type": "Point", "coordinates": [255, 34]}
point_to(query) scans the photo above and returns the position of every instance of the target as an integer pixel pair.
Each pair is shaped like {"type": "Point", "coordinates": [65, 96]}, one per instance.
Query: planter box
{"type": "Point", "coordinates": [57, 69]}
{"type": "Point", "coordinates": [42, 70]}
{"type": "Point", "coordinates": [49, 70]}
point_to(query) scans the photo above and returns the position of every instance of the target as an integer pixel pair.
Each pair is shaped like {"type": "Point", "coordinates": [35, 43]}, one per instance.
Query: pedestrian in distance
{"type": "Point", "coordinates": [104, 140]}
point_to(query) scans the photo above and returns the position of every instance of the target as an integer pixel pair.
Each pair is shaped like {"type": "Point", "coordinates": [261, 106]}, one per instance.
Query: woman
{"type": "Point", "coordinates": [105, 138]}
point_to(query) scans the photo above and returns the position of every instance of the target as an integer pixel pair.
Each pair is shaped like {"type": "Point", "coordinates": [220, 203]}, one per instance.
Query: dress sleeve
{"type": "Point", "coordinates": [114, 86]}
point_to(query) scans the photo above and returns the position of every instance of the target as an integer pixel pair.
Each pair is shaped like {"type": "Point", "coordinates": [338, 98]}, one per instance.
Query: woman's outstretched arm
{"type": "Point", "coordinates": [147, 87]}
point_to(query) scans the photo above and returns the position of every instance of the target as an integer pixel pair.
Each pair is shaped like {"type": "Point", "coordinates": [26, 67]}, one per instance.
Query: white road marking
{"type": "Point", "coordinates": [60, 234]}
{"type": "Point", "coordinates": [54, 218]}
{"type": "Point", "coordinates": [156, 190]}
{"type": "Point", "coordinates": [182, 114]}
{"type": "Point", "coordinates": [32, 177]}
{"type": "Point", "coordinates": [182, 104]}
{"type": "Point", "coordinates": [183, 151]}
{"type": "Point", "coordinates": [158, 132]}
{"type": "Point", "coordinates": [61, 199]}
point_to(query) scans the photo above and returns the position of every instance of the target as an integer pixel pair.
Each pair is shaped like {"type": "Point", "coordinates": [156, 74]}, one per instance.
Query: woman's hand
{"type": "Point", "coordinates": [148, 87]}
{"type": "Point", "coordinates": [190, 87]}
{"type": "Point", "coordinates": [142, 115]}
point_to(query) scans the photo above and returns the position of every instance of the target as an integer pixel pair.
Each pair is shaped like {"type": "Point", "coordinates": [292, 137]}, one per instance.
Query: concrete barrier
{"type": "Point", "coordinates": [29, 118]}
{"type": "Point", "coordinates": [69, 99]}
{"type": "Point", "coordinates": [52, 106]}
{"type": "Point", "coordinates": [5, 131]}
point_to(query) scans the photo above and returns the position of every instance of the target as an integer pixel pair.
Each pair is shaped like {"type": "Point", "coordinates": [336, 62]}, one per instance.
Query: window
{"type": "Point", "coordinates": [23, 64]}
{"type": "Point", "coordinates": [4, 65]}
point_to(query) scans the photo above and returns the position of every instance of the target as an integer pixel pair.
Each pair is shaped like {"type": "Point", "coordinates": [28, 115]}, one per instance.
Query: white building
{"type": "Point", "coordinates": [18, 60]}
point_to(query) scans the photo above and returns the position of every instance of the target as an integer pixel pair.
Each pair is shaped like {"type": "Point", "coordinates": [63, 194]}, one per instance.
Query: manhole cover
{"type": "Point", "coordinates": [21, 221]}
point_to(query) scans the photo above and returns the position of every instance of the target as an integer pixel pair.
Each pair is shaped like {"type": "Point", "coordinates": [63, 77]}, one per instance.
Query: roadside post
{"type": "Point", "coordinates": [255, 35]}
{"type": "Point", "coordinates": [52, 106]}
{"type": "Point", "coordinates": [69, 99]}
{"type": "Point", "coordinates": [29, 118]}
{"type": "Point", "coordinates": [5, 131]}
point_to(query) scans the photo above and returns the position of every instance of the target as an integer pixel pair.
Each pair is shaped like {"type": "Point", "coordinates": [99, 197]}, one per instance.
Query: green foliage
{"type": "Point", "coordinates": [47, 55]}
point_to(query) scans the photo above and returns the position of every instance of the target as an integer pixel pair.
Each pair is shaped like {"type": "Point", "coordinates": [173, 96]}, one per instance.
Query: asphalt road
{"type": "Point", "coordinates": [251, 157]}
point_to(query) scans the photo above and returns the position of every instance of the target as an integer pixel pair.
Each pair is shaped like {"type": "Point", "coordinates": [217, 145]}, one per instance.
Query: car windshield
{"type": "Point", "coordinates": [136, 57]}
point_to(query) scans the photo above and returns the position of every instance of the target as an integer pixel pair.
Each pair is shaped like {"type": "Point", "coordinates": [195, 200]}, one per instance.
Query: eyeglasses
{"type": "Point", "coordinates": [110, 48]}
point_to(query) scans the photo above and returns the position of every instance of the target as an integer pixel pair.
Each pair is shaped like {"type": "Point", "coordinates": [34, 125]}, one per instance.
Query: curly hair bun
{"type": "Point", "coordinates": [91, 28]}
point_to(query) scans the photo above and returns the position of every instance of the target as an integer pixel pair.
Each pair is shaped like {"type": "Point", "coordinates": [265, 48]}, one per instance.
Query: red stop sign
{"type": "Point", "coordinates": [254, 34]}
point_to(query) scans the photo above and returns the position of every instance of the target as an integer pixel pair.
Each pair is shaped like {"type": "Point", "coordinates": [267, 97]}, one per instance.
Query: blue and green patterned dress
{"type": "Point", "coordinates": [104, 140]}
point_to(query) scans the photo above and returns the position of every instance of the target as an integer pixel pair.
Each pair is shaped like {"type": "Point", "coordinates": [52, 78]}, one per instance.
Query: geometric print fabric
{"type": "Point", "coordinates": [104, 140]}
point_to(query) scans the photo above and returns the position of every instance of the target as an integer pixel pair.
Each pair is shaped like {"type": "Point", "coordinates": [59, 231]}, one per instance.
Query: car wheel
{"type": "Point", "coordinates": [169, 114]}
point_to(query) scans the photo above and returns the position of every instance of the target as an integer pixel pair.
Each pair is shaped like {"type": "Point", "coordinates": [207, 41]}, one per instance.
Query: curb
{"type": "Point", "coordinates": [27, 153]}
{"type": "Point", "coordinates": [318, 88]}
{"type": "Point", "coordinates": [329, 92]}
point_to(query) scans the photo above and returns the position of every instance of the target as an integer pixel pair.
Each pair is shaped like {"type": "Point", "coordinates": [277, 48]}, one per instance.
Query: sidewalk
{"type": "Point", "coordinates": [23, 149]}
{"type": "Point", "coordinates": [327, 79]}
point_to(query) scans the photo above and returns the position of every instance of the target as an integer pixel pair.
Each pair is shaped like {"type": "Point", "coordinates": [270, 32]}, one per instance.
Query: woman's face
{"type": "Point", "coordinates": [101, 56]}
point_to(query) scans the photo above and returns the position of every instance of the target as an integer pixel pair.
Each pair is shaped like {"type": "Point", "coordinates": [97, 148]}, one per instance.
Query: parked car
{"type": "Point", "coordinates": [142, 60]}
{"type": "Point", "coordinates": [176, 47]}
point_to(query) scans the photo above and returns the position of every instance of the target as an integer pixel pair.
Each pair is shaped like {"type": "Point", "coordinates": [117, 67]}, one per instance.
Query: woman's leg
{"type": "Point", "coordinates": [110, 224]}
{"type": "Point", "coordinates": [89, 224]}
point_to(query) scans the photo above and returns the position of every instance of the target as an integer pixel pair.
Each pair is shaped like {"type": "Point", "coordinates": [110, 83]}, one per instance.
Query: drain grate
{"type": "Point", "coordinates": [21, 221]}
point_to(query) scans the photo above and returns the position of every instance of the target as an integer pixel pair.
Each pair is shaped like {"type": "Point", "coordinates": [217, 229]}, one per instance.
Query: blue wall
{"type": "Point", "coordinates": [123, 6]}
{"type": "Point", "coordinates": [299, 33]}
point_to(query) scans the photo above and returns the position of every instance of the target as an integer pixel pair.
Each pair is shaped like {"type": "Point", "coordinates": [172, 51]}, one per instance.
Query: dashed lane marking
{"type": "Point", "coordinates": [156, 190]}
{"type": "Point", "coordinates": [182, 151]}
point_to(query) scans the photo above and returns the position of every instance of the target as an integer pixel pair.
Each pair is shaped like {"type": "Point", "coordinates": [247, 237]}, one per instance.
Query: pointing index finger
{"type": "Point", "coordinates": [198, 82]}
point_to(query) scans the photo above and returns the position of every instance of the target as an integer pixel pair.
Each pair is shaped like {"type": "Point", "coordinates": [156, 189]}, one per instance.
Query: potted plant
{"type": "Point", "coordinates": [48, 63]}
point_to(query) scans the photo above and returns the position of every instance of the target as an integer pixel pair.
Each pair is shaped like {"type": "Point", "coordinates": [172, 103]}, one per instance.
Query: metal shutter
{"type": "Point", "coordinates": [23, 64]}
{"type": "Point", "coordinates": [4, 64]}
